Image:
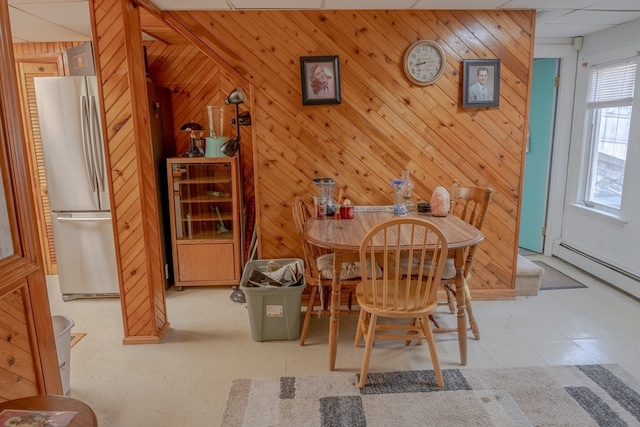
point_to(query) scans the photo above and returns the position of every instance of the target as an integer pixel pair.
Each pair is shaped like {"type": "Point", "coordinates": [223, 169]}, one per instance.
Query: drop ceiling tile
{"type": "Point", "coordinates": [72, 16]}
{"type": "Point", "coordinates": [458, 4]}
{"type": "Point", "coordinates": [548, 4]}
{"type": "Point", "coordinates": [29, 28]}
{"type": "Point", "coordinates": [368, 4]}
{"type": "Point", "coordinates": [595, 18]}
{"type": "Point", "coordinates": [567, 30]}
{"type": "Point", "coordinates": [615, 5]}
{"type": "Point", "coordinates": [277, 4]}
{"type": "Point", "coordinates": [12, 2]}
{"type": "Point", "coordinates": [191, 4]}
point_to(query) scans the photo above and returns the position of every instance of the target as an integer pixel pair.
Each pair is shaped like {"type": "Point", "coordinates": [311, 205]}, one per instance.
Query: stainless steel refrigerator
{"type": "Point", "coordinates": [74, 160]}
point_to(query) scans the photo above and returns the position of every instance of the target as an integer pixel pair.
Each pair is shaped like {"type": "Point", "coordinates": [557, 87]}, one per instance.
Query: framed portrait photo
{"type": "Point", "coordinates": [481, 83]}
{"type": "Point", "coordinates": [320, 78]}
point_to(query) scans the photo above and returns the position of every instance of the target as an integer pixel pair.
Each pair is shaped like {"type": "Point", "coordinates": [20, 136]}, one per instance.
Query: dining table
{"type": "Point", "coordinates": [343, 237]}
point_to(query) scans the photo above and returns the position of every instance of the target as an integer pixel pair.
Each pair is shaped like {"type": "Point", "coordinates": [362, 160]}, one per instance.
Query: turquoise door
{"type": "Point", "coordinates": [538, 156]}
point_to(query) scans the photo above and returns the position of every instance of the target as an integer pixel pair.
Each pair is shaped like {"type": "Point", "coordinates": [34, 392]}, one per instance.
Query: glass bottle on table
{"type": "Point", "coordinates": [407, 191]}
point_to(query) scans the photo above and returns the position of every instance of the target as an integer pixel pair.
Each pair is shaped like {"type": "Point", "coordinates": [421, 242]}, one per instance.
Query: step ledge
{"type": "Point", "coordinates": [528, 277]}
{"type": "Point", "coordinates": [528, 268]}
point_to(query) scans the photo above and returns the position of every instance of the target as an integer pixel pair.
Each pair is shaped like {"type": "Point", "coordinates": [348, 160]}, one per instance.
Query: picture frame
{"type": "Point", "coordinates": [320, 79]}
{"type": "Point", "coordinates": [481, 83]}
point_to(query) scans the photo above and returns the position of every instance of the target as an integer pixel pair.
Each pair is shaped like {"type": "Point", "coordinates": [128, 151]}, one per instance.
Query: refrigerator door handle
{"type": "Point", "coordinates": [86, 142]}
{"type": "Point", "coordinates": [96, 143]}
{"type": "Point", "coordinates": [97, 219]}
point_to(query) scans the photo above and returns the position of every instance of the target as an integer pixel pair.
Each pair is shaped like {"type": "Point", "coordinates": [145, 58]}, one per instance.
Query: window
{"type": "Point", "coordinates": [609, 108]}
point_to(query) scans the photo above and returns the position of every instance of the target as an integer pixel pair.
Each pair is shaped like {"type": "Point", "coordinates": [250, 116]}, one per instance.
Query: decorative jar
{"type": "Point", "coordinates": [399, 207]}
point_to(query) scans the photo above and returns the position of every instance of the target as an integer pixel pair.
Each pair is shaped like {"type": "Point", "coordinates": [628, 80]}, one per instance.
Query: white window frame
{"type": "Point", "coordinates": [590, 140]}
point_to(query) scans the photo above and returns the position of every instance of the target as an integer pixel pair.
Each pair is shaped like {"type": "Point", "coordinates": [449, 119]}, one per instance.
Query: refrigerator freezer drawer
{"type": "Point", "coordinates": [86, 254]}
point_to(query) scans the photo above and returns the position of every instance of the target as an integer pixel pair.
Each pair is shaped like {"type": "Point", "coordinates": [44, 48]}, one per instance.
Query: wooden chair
{"type": "Point", "coordinates": [320, 287]}
{"type": "Point", "coordinates": [471, 204]}
{"type": "Point", "coordinates": [398, 294]}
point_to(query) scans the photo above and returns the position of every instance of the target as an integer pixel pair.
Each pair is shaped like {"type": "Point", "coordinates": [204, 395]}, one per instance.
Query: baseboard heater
{"type": "Point", "coordinates": [602, 263]}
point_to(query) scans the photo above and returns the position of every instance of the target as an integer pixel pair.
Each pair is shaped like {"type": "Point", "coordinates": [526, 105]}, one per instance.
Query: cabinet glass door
{"type": "Point", "coordinates": [203, 201]}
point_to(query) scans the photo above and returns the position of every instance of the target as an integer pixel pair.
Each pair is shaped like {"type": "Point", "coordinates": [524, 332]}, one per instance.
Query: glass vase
{"type": "Point", "coordinates": [407, 191]}
{"type": "Point", "coordinates": [399, 207]}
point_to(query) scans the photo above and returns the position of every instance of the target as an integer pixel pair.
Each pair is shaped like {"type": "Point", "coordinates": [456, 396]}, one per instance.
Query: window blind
{"type": "Point", "coordinates": [612, 84]}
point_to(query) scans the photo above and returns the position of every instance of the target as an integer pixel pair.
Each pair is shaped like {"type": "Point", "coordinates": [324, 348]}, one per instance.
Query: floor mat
{"type": "Point", "coordinates": [554, 279]}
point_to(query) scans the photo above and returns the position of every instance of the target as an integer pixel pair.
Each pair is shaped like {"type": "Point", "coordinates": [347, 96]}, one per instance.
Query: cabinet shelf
{"type": "Point", "coordinates": [204, 200]}
{"type": "Point", "coordinates": [205, 236]}
{"type": "Point", "coordinates": [205, 180]}
{"type": "Point", "coordinates": [228, 216]}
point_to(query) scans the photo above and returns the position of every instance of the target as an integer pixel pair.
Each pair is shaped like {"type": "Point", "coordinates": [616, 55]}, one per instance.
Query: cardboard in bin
{"type": "Point", "coordinates": [276, 274]}
{"type": "Point", "coordinates": [274, 311]}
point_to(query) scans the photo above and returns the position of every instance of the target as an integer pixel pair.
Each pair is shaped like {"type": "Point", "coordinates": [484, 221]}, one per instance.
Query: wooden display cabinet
{"type": "Point", "coordinates": [205, 220]}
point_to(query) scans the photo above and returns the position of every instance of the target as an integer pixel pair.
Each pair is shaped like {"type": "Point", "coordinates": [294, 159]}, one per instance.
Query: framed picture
{"type": "Point", "coordinates": [320, 76]}
{"type": "Point", "coordinates": [481, 83]}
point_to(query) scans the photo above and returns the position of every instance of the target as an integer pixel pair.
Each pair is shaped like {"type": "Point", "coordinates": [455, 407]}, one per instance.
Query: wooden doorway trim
{"type": "Point", "coordinates": [28, 336]}
{"type": "Point", "coordinates": [28, 67]}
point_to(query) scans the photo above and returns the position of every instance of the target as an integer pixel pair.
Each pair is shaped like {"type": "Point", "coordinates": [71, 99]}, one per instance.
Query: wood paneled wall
{"type": "Point", "coordinates": [134, 202]}
{"type": "Point", "coordinates": [384, 124]}
{"type": "Point", "coordinates": [196, 81]}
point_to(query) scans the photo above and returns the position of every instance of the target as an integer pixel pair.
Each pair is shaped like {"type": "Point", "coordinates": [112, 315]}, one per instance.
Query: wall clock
{"type": "Point", "coordinates": [424, 62]}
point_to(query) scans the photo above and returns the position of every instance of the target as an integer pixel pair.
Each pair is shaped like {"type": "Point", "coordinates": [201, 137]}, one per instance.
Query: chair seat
{"type": "Point", "coordinates": [350, 270]}
{"type": "Point", "coordinates": [449, 271]}
{"type": "Point", "coordinates": [399, 312]}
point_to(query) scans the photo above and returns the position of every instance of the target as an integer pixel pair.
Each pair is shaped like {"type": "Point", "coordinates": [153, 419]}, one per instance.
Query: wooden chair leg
{"type": "Point", "coordinates": [360, 327]}
{"type": "Point", "coordinates": [426, 329]}
{"type": "Point", "coordinates": [434, 321]}
{"type": "Point", "coordinates": [472, 321]}
{"type": "Point", "coordinates": [451, 298]}
{"type": "Point", "coordinates": [307, 315]}
{"type": "Point", "coordinates": [415, 324]}
{"type": "Point", "coordinates": [367, 349]}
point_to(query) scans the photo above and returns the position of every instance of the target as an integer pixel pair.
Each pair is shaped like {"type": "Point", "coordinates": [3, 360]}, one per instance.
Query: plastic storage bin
{"type": "Point", "coordinates": [274, 313]}
{"type": "Point", "coordinates": [62, 329]}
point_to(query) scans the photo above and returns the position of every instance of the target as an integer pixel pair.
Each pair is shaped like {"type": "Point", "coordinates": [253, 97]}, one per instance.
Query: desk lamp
{"type": "Point", "coordinates": [236, 97]}
{"type": "Point", "coordinates": [192, 127]}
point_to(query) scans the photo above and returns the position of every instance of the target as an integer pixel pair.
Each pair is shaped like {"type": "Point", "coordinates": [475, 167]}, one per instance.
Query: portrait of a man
{"type": "Point", "coordinates": [481, 83]}
{"type": "Point", "coordinates": [480, 91]}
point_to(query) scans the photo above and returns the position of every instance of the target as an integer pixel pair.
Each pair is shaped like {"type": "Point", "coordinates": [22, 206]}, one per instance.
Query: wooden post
{"type": "Point", "coordinates": [119, 60]}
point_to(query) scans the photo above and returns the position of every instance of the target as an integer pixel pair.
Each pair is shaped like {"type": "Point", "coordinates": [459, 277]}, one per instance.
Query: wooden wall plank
{"type": "Point", "coordinates": [384, 124]}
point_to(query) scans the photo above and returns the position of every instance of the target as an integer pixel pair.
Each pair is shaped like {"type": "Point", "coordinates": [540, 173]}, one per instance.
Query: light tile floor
{"type": "Point", "coordinates": [184, 380]}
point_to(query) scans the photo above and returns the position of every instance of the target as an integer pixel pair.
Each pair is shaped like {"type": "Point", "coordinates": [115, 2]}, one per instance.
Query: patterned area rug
{"type": "Point", "coordinates": [554, 279]}
{"type": "Point", "coordinates": [584, 395]}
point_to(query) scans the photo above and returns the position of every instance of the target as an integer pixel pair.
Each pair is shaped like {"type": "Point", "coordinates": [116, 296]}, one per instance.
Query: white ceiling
{"type": "Point", "coordinates": [68, 20]}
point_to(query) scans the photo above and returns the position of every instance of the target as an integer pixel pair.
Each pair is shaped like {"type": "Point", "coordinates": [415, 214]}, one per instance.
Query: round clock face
{"type": "Point", "coordinates": [424, 62]}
